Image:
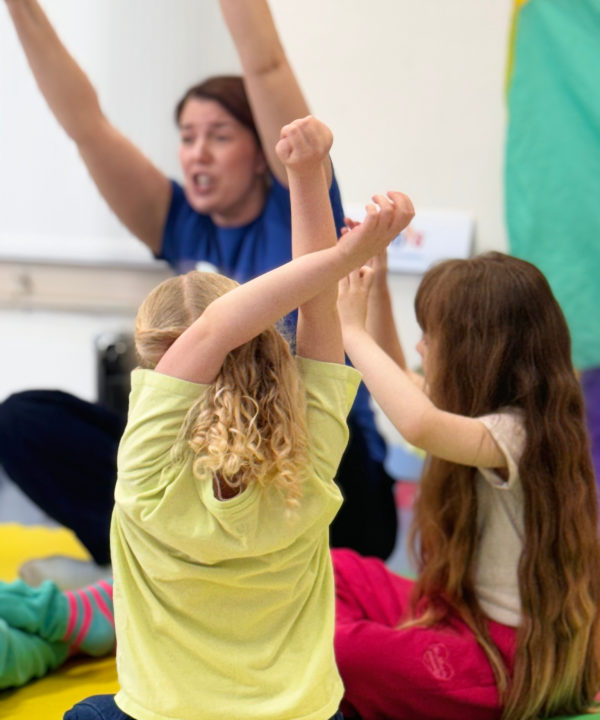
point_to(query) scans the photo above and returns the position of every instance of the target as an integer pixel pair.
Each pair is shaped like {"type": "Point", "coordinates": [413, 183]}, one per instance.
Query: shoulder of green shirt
{"type": "Point", "coordinates": [150, 378]}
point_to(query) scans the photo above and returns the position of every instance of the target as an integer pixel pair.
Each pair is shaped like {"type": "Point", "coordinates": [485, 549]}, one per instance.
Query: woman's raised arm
{"type": "Point", "coordinates": [273, 90]}
{"type": "Point", "coordinates": [137, 192]}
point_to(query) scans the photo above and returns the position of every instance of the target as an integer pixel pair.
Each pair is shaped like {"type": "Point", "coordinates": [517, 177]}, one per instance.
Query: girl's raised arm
{"type": "Point", "coordinates": [237, 317]}
{"type": "Point", "coordinates": [380, 317]}
{"type": "Point", "coordinates": [455, 438]}
{"type": "Point", "coordinates": [273, 90]}
{"type": "Point", "coordinates": [137, 192]}
{"type": "Point", "coordinates": [303, 147]}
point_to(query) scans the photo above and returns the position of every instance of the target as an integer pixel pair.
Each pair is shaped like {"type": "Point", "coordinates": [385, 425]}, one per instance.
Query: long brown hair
{"type": "Point", "coordinates": [500, 340]}
{"type": "Point", "coordinates": [250, 425]}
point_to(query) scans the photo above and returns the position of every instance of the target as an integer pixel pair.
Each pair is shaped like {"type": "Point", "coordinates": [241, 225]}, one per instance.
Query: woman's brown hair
{"type": "Point", "coordinates": [230, 92]}
{"type": "Point", "coordinates": [500, 340]}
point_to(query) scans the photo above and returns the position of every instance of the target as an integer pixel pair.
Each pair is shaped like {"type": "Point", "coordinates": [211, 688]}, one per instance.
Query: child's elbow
{"type": "Point", "coordinates": [416, 432]}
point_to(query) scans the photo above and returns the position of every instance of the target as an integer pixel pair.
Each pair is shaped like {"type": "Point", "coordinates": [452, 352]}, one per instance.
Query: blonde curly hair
{"type": "Point", "coordinates": [250, 425]}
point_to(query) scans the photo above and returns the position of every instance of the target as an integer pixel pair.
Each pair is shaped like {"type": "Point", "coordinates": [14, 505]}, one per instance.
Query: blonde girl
{"type": "Point", "coordinates": [224, 598]}
{"type": "Point", "coordinates": [502, 621]}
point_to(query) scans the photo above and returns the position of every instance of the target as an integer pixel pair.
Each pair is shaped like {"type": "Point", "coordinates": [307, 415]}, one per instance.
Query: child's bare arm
{"type": "Point", "coordinates": [303, 148]}
{"type": "Point", "coordinates": [243, 313]}
{"type": "Point", "coordinates": [380, 317]}
{"type": "Point", "coordinates": [445, 435]}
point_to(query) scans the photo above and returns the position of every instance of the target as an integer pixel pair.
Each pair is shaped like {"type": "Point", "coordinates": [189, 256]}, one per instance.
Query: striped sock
{"type": "Point", "coordinates": [91, 624]}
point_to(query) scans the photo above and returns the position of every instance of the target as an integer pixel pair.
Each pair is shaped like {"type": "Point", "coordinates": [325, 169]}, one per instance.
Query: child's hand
{"type": "Point", "coordinates": [349, 225]}
{"type": "Point", "coordinates": [353, 298]}
{"type": "Point", "coordinates": [304, 144]}
{"type": "Point", "coordinates": [377, 262]}
{"type": "Point", "coordinates": [380, 227]}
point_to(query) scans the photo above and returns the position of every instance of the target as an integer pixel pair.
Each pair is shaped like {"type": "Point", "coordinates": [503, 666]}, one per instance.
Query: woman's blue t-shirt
{"type": "Point", "coordinates": [243, 253]}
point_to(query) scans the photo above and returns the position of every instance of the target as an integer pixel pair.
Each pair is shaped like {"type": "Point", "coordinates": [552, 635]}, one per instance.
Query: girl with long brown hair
{"type": "Point", "coordinates": [224, 600]}
{"type": "Point", "coordinates": [502, 621]}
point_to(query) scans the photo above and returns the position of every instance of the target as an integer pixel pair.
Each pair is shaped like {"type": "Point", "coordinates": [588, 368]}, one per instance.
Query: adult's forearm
{"type": "Point", "coordinates": [253, 30]}
{"type": "Point", "coordinates": [273, 91]}
{"type": "Point", "coordinates": [64, 85]}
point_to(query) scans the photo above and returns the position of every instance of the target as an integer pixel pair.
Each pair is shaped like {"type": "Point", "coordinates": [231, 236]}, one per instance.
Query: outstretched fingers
{"type": "Point", "coordinates": [386, 211]}
{"type": "Point", "coordinates": [385, 218]}
{"type": "Point", "coordinates": [404, 211]}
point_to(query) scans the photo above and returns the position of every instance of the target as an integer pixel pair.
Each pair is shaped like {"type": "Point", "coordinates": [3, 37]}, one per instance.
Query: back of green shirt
{"type": "Point", "coordinates": [225, 606]}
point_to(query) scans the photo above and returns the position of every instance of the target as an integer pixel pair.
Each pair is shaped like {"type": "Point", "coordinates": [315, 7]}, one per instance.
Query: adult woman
{"type": "Point", "coordinates": [232, 211]}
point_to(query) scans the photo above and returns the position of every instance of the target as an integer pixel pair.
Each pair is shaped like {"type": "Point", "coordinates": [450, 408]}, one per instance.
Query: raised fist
{"type": "Point", "coordinates": [304, 144]}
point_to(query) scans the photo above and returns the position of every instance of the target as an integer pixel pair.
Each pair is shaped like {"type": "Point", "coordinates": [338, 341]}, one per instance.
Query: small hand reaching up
{"type": "Point", "coordinates": [304, 145]}
{"type": "Point", "coordinates": [353, 299]}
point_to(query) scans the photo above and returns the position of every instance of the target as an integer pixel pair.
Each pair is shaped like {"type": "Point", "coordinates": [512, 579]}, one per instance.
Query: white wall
{"type": "Point", "coordinates": [141, 55]}
{"type": "Point", "coordinates": [413, 90]}
{"type": "Point", "coordinates": [53, 350]}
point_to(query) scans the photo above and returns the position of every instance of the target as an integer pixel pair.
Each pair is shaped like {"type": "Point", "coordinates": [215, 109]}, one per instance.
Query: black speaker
{"type": "Point", "coordinates": [115, 353]}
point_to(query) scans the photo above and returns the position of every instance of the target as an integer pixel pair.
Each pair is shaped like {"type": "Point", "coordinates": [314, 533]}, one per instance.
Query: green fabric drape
{"type": "Point", "coordinates": [553, 158]}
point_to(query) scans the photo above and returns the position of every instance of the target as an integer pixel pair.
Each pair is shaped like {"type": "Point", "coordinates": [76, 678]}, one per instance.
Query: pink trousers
{"type": "Point", "coordinates": [413, 674]}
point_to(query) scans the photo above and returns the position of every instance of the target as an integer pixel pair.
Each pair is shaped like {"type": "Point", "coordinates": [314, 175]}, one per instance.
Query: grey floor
{"type": "Point", "coordinates": [16, 507]}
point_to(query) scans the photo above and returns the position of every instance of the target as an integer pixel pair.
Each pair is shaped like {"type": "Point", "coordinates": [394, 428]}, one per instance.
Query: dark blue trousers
{"type": "Point", "coordinates": [103, 707]}
{"type": "Point", "coordinates": [62, 452]}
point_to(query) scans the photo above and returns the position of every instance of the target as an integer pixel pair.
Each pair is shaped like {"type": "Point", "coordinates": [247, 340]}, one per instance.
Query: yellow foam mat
{"type": "Point", "coordinates": [50, 697]}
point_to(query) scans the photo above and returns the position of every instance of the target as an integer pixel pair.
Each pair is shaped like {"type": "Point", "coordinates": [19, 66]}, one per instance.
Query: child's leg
{"type": "Point", "coordinates": [24, 657]}
{"type": "Point", "coordinates": [366, 590]}
{"type": "Point", "coordinates": [82, 619]}
{"type": "Point", "coordinates": [91, 625]}
{"type": "Point", "coordinates": [98, 707]}
{"type": "Point", "coordinates": [49, 441]}
{"type": "Point", "coordinates": [42, 611]}
{"type": "Point", "coordinates": [438, 673]}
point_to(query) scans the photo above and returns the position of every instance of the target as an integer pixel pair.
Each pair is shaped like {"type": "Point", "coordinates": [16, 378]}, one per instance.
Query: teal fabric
{"type": "Point", "coordinates": [32, 622]}
{"type": "Point", "coordinates": [553, 159]}
{"type": "Point", "coordinates": [24, 657]}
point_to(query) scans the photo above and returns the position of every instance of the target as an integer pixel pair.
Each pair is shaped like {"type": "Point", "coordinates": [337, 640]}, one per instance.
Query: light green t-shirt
{"type": "Point", "coordinates": [225, 609]}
